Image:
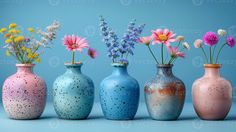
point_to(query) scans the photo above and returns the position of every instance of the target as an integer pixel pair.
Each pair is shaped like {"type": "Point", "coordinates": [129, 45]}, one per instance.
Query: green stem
{"type": "Point", "coordinates": [204, 54]}
{"type": "Point", "coordinates": [171, 59]}
{"type": "Point", "coordinates": [211, 61]}
{"type": "Point", "coordinates": [152, 54]}
{"type": "Point", "coordinates": [73, 57]}
{"type": "Point", "coordinates": [162, 53]}
{"type": "Point", "coordinates": [219, 52]}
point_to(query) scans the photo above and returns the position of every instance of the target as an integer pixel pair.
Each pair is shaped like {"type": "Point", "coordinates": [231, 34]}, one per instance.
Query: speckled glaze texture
{"type": "Point", "coordinates": [119, 94]}
{"type": "Point", "coordinates": [73, 93]}
{"type": "Point", "coordinates": [24, 94]}
{"type": "Point", "coordinates": [164, 95]}
{"type": "Point", "coordinates": [212, 94]}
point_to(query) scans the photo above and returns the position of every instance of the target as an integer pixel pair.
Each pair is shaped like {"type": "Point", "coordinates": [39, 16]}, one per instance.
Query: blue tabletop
{"type": "Point", "coordinates": [188, 121]}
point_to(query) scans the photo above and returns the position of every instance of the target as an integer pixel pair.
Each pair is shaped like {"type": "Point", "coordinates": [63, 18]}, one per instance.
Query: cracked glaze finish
{"type": "Point", "coordinates": [24, 94]}
{"type": "Point", "coordinates": [73, 93]}
{"type": "Point", "coordinates": [164, 95]}
{"type": "Point", "coordinates": [212, 94]}
{"type": "Point", "coordinates": [119, 94]}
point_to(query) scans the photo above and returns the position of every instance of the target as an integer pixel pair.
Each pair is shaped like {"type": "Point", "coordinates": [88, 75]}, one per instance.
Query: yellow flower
{"type": "Point", "coordinates": [23, 48]}
{"type": "Point", "coordinates": [12, 25]}
{"type": "Point", "coordinates": [8, 53]}
{"type": "Point", "coordinates": [31, 30]}
{"type": "Point", "coordinates": [8, 41]}
{"type": "Point", "coordinates": [38, 60]}
{"type": "Point", "coordinates": [32, 56]}
{"type": "Point", "coordinates": [18, 39]}
{"type": "Point", "coordinates": [28, 50]}
{"type": "Point", "coordinates": [3, 30]}
{"type": "Point", "coordinates": [7, 35]}
{"type": "Point", "coordinates": [12, 37]}
{"type": "Point", "coordinates": [14, 31]}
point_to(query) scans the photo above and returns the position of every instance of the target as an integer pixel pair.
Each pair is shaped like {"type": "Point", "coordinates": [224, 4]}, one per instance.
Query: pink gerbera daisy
{"type": "Point", "coordinates": [174, 51]}
{"type": "Point", "coordinates": [163, 36]}
{"type": "Point", "coordinates": [74, 43]}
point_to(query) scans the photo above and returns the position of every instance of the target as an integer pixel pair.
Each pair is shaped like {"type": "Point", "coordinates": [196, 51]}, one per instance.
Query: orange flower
{"type": "Point", "coordinates": [7, 35]}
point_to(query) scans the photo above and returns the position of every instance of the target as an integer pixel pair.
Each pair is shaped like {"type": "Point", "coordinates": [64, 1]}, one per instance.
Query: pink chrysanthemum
{"type": "Point", "coordinates": [92, 53]}
{"type": "Point", "coordinates": [230, 41]}
{"type": "Point", "coordinates": [210, 38]}
{"type": "Point", "coordinates": [174, 51]}
{"type": "Point", "coordinates": [74, 43]}
{"type": "Point", "coordinates": [163, 36]}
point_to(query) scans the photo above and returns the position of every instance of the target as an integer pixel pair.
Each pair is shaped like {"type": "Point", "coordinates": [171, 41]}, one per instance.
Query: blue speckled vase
{"type": "Point", "coordinates": [119, 94]}
{"type": "Point", "coordinates": [73, 93]}
{"type": "Point", "coordinates": [165, 95]}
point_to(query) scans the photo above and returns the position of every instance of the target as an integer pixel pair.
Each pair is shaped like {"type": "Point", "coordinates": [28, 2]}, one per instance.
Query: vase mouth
{"type": "Point", "coordinates": [25, 65]}
{"type": "Point", "coordinates": [164, 65]}
{"type": "Point", "coordinates": [73, 65]}
{"type": "Point", "coordinates": [212, 65]}
{"type": "Point", "coordinates": [119, 64]}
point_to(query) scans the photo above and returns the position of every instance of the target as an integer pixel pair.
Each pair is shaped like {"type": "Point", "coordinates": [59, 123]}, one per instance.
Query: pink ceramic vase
{"type": "Point", "coordinates": [212, 94]}
{"type": "Point", "coordinates": [24, 94]}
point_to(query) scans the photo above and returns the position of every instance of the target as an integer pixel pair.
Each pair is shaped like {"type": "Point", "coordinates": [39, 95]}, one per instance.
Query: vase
{"type": "Point", "coordinates": [73, 93]}
{"type": "Point", "coordinates": [24, 94]}
{"type": "Point", "coordinates": [212, 94]}
{"type": "Point", "coordinates": [164, 95]}
{"type": "Point", "coordinates": [119, 94]}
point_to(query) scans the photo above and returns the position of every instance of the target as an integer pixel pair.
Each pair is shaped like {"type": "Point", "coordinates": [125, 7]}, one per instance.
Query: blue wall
{"type": "Point", "coordinates": [191, 18]}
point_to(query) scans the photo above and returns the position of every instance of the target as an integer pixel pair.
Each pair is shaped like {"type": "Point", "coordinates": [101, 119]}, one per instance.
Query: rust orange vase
{"type": "Point", "coordinates": [212, 94]}
{"type": "Point", "coordinates": [165, 95]}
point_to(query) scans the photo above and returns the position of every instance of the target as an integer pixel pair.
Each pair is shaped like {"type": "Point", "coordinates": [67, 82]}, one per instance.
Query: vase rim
{"type": "Point", "coordinates": [25, 65]}
{"type": "Point", "coordinates": [212, 65]}
{"type": "Point", "coordinates": [164, 65]}
{"type": "Point", "coordinates": [74, 65]}
{"type": "Point", "coordinates": [119, 64]}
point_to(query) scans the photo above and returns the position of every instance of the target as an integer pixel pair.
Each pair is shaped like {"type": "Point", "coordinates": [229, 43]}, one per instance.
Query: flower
{"type": "Point", "coordinates": [210, 38]}
{"type": "Point", "coordinates": [18, 39]}
{"type": "Point", "coordinates": [8, 53]}
{"type": "Point", "coordinates": [92, 53]}
{"type": "Point", "coordinates": [145, 40]}
{"type": "Point", "coordinates": [163, 36]}
{"type": "Point", "coordinates": [8, 41]}
{"type": "Point", "coordinates": [186, 45]}
{"type": "Point", "coordinates": [180, 38]}
{"type": "Point", "coordinates": [14, 31]}
{"type": "Point", "coordinates": [73, 43]}
{"type": "Point", "coordinates": [230, 41]}
{"type": "Point", "coordinates": [7, 35]}
{"type": "Point", "coordinates": [38, 60]}
{"type": "Point", "coordinates": [3, 30]}
{"type": "Point", "coordinates": [31, 30]}
{"type": "Point", "coordinates": [12, 25]}
{"type": "Point", "coordinates": [198, 43]}
{"type": "Point", "coordinates": [221, 32]}
{"type": "Point", "coordinates": [174, 51]}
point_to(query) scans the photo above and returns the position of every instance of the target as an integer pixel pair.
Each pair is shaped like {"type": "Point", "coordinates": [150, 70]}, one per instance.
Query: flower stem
{"type": "Point", "coordinates": [152, 54]}
{"type": "Point", "coordinates": [162, 54]}
{"type": "Point", "coordinates": [73, 57]}
{"type": "Point", "coordinates": [219, 52]}
{"type": "Point", "coordinates": [204, 54]}
{"type": "Point", "coordinates": [211, 61]}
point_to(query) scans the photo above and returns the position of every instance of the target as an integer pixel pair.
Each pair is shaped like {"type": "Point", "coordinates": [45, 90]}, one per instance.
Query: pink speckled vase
{"type": "Point", "coordinates": [24, 94]}
{"type": "Point", "coordinates": [212, 94]}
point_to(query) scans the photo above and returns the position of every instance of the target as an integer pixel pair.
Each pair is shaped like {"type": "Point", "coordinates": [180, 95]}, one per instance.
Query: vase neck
{"type": "Point", "coordinates": [73, 68]}
{"type": "Point", "coordinates": [26, 68]}
{"type": "Point", "coordinates": [212, 72]}
{"type": "Point", "coordinates": [118, 70]}
{"type": "Point", "coordinates": [165, 70]}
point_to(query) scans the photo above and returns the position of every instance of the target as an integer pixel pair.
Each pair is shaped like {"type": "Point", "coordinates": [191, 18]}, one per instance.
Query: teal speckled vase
{"type": "Point", "coordinates": [73, 93]}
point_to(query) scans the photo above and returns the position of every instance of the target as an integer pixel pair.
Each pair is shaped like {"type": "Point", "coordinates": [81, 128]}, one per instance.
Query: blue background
{"type": "Point", "coordinates": [191, 18]}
